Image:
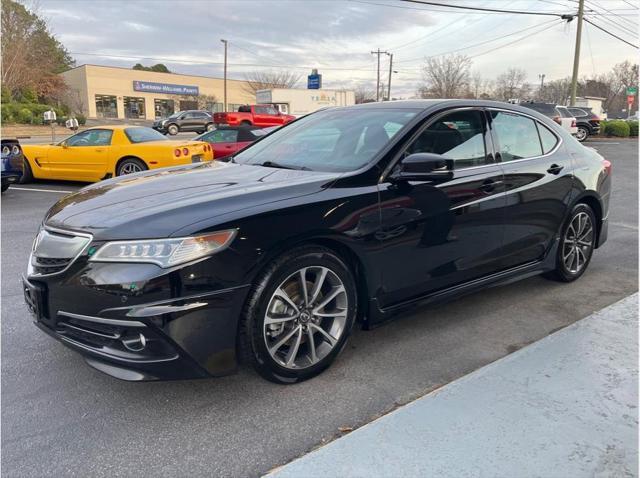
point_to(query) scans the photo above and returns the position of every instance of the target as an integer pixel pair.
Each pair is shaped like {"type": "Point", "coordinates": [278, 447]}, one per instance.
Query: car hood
{"type": "Point", "coordinates": [160, 202]}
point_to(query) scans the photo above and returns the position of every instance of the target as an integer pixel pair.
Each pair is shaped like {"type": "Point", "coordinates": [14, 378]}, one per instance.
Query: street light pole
{"type": "Point", "coordinates": [225, 74]}
{"type": "Point", "coordinates": [576, 54]}
{"type": "Point", "coordinates": [541, 83]}
{"type": "Point", "coordinates": [390, 71]}
{"type": "Point", "coordinates": [378, 52]}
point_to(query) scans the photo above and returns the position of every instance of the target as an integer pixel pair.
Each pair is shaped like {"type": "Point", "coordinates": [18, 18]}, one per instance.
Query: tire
{"type": "Point", "coordinates": [304, 350]}
{"type": "Point", "coordinates": [130, 166]}
{"type": "Point", "coordinates": [571, 265]}
{"type": "Point", "coordinates": [173, 129]}
{"type": "Point", "coordinates": [245, 123]}
{"type": "Point", "coordinates": [210, 127]}
{"type": "Point", "coordinates": [27, 174]}
{"type": "Point", "coordinates": [4, 187]}
{"type": "Point", "coordinates": [582, 134]}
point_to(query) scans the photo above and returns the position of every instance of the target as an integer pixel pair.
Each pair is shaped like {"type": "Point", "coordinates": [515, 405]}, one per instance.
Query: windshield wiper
{"type": "Point", "coordinates": [273, 164]}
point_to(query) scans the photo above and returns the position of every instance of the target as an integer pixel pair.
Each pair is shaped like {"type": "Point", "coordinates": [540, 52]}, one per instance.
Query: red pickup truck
{"type": "Point", "coordinates": [256, 115]}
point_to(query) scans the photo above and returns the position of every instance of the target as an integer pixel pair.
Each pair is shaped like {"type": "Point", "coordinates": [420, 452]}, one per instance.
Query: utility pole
{"type": "Point", "coordinates": [378, 52]}
{"type": "Point", "coordinates": [576, 54]}
{"type": "Point", "coordinates": [390, 71]}
{"type": "Point", "coordinates": [225, 74]}
{"type": "Point", "coordinates": [541, 83]}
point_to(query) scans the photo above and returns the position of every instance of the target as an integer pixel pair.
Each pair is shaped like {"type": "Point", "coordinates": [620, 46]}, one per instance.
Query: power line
{"type": "Point", "coordinates": [483, 42]}
{"type": "Point", "coordinates": [629, 22]}
{"type": "Point", "coordinates": [484, 9]}
{"type": "Point", "coordinates": [419, 9]}
{"type": "Point", "coordinates": [609, 33]}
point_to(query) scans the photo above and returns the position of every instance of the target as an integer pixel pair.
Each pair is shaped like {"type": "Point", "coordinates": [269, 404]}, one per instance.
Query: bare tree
{"type": "Point", "coordinates": [479, 87]}
{"type": "Point", "coordinates": [444, 77]}
{"type": "Point", "coordinates": [263, 80]}
{"type": "Point", "coordinates": [364, 94]}
{"type": "Point", "coordinates": [512, 84]}
{"type": "Point", "coordinates": [556, 91]}
{"type": "Point", "coordinates": [74, 100]}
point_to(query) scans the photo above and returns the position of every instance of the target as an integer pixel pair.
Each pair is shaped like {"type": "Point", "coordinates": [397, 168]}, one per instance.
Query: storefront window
{"type": "Point", "coordinates": [134, 107]}
{"type": "Point", "coordinates": [232, 107]}
{"type": "Point", "coordinates": [188, 105]}
{"type": "Point", "coordinates": [106, 106]}
{"type": "Point", "coordinates": [163, 108]}
{"type": "Point", "coordinates": [214, 107]}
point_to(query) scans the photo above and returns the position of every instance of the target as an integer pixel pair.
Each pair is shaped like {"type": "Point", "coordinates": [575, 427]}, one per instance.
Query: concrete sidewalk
{"type": "Point", "coordinates": [565, 406]}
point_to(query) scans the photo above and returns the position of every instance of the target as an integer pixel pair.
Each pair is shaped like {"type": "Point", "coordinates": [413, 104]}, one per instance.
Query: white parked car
{"type": "Point", "coordinates": [568, 121]}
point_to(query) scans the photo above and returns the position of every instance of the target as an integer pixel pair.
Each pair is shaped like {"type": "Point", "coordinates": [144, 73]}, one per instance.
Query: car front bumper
{"type": "Point", "coordinates": [147, 327]}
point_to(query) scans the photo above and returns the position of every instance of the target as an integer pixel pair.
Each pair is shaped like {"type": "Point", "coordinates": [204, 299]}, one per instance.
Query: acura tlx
{"type": "Point", "coordinates": [347, 215]}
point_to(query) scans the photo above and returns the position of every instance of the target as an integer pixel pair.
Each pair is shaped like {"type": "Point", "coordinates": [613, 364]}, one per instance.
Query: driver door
{"type": "Point", "coordinates": [82, 157]}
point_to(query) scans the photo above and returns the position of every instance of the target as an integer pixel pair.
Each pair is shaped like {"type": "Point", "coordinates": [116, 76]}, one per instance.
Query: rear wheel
{"type": "Point", "coordinates": [27, 174]}
{"type": "Point", "coordinates": [582, 134]}
{"type": "Point", "coordinates": [299, 316]}
{"type": "Point", "coordinates": [173, 130]}
{"type": "Point", "coordinates": [210, 127]}
{"type": "Point", "coordinates": [130, 166]}
{"type": "Point", "coordinates": [576, 246]}
{"type": "Point", "coordinates": [245, 123]}
{"type": "Point", "coordinates": [4, 187]}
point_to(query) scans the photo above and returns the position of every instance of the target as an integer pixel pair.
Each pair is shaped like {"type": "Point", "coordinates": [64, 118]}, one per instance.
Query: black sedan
{"type": "Point", "coordinates": [345, 215]}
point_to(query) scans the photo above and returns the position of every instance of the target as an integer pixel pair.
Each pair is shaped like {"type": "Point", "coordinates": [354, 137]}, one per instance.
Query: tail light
{"type": "Point", "coordinates": [557, 119]}
{"type": "Point", "coordinates": [595, 118]}
{"type": "Point", "coordinates": [185, 151]}
{"type": "Point", "coordinates": [177, 152]}
{"type": "Point", "coordinates": [573, 124]}
{"type": "Point", "coordinates": [607, 166]}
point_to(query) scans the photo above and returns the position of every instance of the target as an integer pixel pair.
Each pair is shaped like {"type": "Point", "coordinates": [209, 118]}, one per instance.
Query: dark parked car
{"type": "Point", "coordinates": [588, 123]}
{"type": "Point", "coordinates": [191, 120]}
{"type": "Point", "coordinates": [228, 140]}
{"type": "Point", "coordinates": [345, 215]}
{"type": "Point", "coordinates": [12, 162]}
{"type": "Point", "coordinates": [547, 109]}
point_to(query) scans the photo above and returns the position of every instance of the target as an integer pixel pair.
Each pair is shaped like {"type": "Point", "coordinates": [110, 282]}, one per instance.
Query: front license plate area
{"type": "Point", "coordinates": [196, 158]}
{"type": "Point", "coordinates": [34, 295]}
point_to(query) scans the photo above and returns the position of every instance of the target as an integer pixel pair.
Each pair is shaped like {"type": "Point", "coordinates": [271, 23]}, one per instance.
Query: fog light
{"type": "Point", "coordinates": [135, 344]}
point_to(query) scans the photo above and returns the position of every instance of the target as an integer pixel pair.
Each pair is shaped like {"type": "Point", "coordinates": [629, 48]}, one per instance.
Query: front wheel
{"type": "Point", "coordinates": [299, 316]}
{"type": "Point", "coordinates": [210, 127]}
{"type": "Point", "coordinates": [582, 134]}
{"type": "Point", "coordinates": [173, 130]}
{"type": "Point", "coordinates": [130, 166]}
{"type": "Point", "coordinates": [577, 243]}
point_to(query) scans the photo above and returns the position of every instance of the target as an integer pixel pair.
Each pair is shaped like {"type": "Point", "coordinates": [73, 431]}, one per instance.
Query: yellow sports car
{"type": "Point", "coordinates": [106, 151]}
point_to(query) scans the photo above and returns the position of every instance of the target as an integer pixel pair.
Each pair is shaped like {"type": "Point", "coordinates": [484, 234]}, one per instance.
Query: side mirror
{"type": "Point", "coordinates": [423, 167]}
{"type": "Point", "coordinates": [64, 144]}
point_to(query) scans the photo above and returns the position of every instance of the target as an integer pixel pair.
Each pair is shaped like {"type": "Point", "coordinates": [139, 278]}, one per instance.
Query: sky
{"type": "Point", "coordinates": [337, 36]}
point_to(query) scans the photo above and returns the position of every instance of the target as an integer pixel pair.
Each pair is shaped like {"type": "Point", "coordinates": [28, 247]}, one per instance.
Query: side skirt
{"type": "Point", "coordinates": [377, 315]}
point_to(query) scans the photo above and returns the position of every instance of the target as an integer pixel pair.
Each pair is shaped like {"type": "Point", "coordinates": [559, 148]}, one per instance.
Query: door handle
{"type": "Point", "coordinates": [555, 169]}
{"type": "Point", "coordinates": [488, 185]}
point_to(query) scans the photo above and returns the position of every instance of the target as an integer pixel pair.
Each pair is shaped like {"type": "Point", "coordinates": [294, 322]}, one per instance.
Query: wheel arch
{"type": "Point", "coordinates": [123, 158]}
{"type": "Point", "coordinates": [591, 199]}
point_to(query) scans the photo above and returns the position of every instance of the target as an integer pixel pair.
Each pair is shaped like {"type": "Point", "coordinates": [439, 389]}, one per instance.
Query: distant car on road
{"type": "Point", "coordinates": [106, 151]}
{"type": "Point", "coordinates": [228, 140]}
{"type": "Point", "coordinates": [197, 121]}
{"type": "Point", "coordinates": [12, 162]}
{"type": "Point", "coordinates": [567, 120]}
{"type": "Point", "coordinates": [587, 121]}
{"type": "Point", "coordinates": [253, 115]}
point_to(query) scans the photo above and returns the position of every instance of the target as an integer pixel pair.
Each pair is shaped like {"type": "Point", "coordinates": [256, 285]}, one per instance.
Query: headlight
{"type": "Point", "coordinates": [164, 252]}
{"type": "Point", "coordinates": [5, 150]}
{"type": "Point", "coordinates": [15, 150]}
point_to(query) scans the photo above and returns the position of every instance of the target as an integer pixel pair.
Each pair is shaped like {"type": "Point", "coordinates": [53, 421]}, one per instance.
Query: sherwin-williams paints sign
{"type": "Point", "coordinates": [165, 88]}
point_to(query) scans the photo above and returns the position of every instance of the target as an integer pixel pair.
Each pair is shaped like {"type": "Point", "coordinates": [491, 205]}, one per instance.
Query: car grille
{"type": "Point", "coordinates": [54, 250]}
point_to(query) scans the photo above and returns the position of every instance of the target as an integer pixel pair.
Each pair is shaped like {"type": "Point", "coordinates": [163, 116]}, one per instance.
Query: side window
{"type": "Point", "coordinates": [548, 139]}
{"type": "Point", "coordinates": [223, 136]}
{"type": "Point", "coordinates": [578, 113]}
{"type": "Point", "coordinates": [458, 135]}
{"type": "Point", "coordinates": [91, 137]}
{"type": "Point", "coordinates": [517, 136]}
{"type": "Point", "coordinates": [261, 110]}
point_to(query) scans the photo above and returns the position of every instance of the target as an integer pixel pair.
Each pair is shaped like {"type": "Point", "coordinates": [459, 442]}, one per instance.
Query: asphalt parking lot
{"type": "Point", "coordinates": [62, 418]}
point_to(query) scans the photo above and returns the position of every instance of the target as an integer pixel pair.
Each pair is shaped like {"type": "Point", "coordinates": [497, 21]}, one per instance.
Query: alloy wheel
{"type": "Point", "coordinates": [130, 168]}
{"type": "Point", "coordinates": [305, 317]}
{"type": "Point", "coordinates": [578, 243]}
{"type": "Point", "coordinates": [581, 134]}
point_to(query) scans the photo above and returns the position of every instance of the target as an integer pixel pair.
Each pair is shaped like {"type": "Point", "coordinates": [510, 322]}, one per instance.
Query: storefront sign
{"type": "Point", "coordinates": [166, 88]}
{"type": "Point", "coordinates": [314, 81]}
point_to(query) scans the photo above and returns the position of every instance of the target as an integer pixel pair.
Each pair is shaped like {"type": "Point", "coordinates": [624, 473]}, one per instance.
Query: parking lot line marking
{"type": "Point", "coordinates": [42, 190]}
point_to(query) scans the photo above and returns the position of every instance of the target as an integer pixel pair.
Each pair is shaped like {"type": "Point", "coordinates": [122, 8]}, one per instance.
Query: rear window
{"type": "Point", "coordinates": [565, 113]}
{"type": "Point", "coordinates": [143, 135]}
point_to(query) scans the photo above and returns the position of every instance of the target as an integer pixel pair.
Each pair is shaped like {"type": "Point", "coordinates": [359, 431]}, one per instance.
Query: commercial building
{"type": "Point", "coordinates": [124, 93]}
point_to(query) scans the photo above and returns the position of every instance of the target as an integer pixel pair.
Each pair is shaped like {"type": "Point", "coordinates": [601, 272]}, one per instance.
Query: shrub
{"type": "Point", "coordinates": [603, 127]}
{"type": "Point", "coordinates": [633, 129]}
{"type": "Point", "coordinates": [82, 120]}
{"type": "Point", "coordinates": [617, 128]}
{"type": "Point", "coordinates": [24, 116]}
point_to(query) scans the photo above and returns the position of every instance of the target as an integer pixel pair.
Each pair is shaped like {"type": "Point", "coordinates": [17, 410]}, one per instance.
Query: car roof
{"type": "Point", "coordinates": [116, 126]}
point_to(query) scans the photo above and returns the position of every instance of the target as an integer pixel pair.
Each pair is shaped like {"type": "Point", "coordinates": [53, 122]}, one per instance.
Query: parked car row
{"type": "Point", "coordinates": [580, 122]}
{"type": "Point", "coordinates": [12, 162]}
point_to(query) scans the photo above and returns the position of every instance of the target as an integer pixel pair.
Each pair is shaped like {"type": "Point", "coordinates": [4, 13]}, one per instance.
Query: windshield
{"type": "Point", "coordinates": [143, 135]}
{"type": "Point", "coordinates": [332, 140]}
